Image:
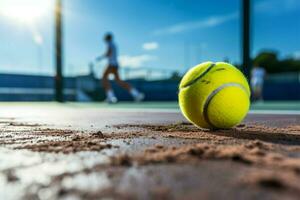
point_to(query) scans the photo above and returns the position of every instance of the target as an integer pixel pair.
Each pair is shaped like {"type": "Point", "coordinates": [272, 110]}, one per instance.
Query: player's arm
{"type": "Point", "coordinates": [105, 55]}
{"type": "Point", "coordinates": [99, 58]}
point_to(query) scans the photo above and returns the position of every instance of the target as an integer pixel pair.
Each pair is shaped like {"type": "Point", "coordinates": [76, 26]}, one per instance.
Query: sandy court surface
{"type": "Point", "coordinates": [65, 152]}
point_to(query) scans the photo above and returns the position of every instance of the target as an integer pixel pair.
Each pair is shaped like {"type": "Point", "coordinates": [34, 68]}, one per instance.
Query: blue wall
{"type": "Point", "coordinates": [153, 90]}
{"type": "Point", "coordinates": [281, 91]}
{"type": "Point", "coordinates": [14, 87]}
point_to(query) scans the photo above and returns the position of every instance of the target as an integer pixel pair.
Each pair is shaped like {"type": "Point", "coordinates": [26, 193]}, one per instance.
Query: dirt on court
{"type": "Point", "coordinates": [172, 161]}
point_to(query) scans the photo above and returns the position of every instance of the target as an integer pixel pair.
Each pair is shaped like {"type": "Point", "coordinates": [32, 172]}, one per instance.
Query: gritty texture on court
{"type": "Point", "coordinates": [63, 153]}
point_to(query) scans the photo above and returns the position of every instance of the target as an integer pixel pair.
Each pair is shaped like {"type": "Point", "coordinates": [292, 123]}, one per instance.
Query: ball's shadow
{"type": "Point", "coordinates": [278, 137]}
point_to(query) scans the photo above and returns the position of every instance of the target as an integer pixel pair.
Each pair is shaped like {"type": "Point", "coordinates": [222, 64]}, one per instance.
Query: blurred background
{"type": "Point", "coordinates": [47, 46]}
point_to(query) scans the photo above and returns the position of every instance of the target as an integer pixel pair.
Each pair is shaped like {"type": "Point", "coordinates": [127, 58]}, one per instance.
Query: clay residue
{"type": "Point", "coordinates": [180, 126]}
{"type": "Point", "coordinates": [71, 142]}
{"type": "Point", "coordinates": [38, 138]}
{"type": "Point", "coordinates": [254, 158]}
{"type": "Point", "coordinates": [272, 179]}
{"type": "Point", "coordinates": [251, 153]}
{"type": "Point", "coordinates": [68, 146]}
{"type": "Point", "coordinates": [289, 135]}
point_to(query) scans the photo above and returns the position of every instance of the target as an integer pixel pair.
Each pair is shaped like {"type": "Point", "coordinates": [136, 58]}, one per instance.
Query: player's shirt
{"type": "Point", "coordinates": [258, 75]}
{"type": "Point", "coordinates": [112, 58]}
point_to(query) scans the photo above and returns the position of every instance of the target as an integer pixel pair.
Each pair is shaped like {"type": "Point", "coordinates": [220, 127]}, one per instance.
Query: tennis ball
{"type": "Point", "coordinates": [214, 95]}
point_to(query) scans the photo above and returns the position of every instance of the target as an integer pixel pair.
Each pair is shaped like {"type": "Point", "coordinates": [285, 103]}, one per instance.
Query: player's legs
{"type": "Point", "coordinates": [259, 92]}
{"type": "Point", "coordinates": [254, 89]}
{"type": "Point", "coordinates": [256, 93]}
{"type": "Point", "coordinates": [105, 81]}
{"type": "Point", "coordinates": [110, 96]}
{"type": "Point", "coordinates": [134, 92]}
{"type": "Point", "coordinates": [257, 89]}
{"type": "Point", "coordinates": [120, 82]}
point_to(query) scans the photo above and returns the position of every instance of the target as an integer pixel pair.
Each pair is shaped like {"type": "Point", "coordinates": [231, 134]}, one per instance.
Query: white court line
{"type": "Point", "coordinates": [162, 110]}
{"type": "Point", "coordinates": [276, 112]}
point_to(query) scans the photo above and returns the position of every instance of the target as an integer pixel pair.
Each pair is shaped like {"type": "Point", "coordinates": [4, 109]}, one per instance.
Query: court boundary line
{"type": "Point", "coordinates": [158, 110]}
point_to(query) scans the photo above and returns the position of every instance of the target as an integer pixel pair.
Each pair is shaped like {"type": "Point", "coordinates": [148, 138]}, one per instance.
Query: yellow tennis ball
{"type": "Point", "coordinates": [214, 95]}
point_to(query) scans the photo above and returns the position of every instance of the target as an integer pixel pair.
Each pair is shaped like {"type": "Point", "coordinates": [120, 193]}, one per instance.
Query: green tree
{"type": "Point", "coordinates": [269, 60]}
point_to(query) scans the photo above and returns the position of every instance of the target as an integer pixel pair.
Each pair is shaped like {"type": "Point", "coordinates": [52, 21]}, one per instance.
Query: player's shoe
{"type": "Point", "coordinates": [111, 100]}
{"type": "Point", "coordinates": [138, 98]}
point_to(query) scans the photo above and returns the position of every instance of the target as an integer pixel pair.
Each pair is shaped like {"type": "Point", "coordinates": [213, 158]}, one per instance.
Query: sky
{"type": "Point", "coordinates": [158, 34]}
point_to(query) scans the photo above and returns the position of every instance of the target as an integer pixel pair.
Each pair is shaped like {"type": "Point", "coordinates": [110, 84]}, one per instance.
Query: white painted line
{"type": "Point", "coordinates": [271, 112]}
{"type": "Point", "coordinates": [275, 112]}
{"type": "Point", "coordinates": [175, 110]}
{"type": "Point", "coordinates": [142, 110]}
{"type": "Point", "coordinates": [36, 91]}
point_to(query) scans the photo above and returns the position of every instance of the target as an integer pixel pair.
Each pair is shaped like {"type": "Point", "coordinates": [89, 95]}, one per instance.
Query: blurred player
{"type": "Point", "coordinates": [113, 68]}
{"type": "Point", "coordinates": [257, 82]}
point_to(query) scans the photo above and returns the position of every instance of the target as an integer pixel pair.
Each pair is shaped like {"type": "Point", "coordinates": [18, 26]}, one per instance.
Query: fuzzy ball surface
{"type": "Point", "coordinates": [214, 95]}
